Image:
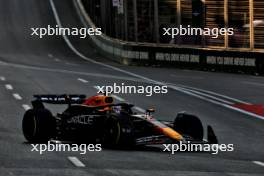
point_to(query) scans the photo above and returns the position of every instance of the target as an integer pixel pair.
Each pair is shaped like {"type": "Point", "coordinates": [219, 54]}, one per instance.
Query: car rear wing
{"type": "Point", "coordinates": [60, 99]}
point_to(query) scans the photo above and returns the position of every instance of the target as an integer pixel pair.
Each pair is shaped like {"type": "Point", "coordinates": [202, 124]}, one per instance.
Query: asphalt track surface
{"type": "Point", "coordinates": [29, 65]}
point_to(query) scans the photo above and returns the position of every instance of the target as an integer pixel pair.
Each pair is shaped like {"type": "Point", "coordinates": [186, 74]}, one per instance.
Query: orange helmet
{"type": "Point", "coordinates": [99, 100]}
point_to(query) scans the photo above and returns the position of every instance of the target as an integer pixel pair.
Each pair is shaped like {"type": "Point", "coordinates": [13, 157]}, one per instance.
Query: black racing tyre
{"type": "Point", "coordinates": [118, 132]}
{"type": "Point", "coordinates": [38, 125]}
{"type": "Point", "coordinates": [112, 132]}
{"type": "Point", "coordinates": [189, 125]}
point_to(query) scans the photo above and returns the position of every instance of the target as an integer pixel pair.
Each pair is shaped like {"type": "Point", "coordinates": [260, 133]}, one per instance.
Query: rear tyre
{"type": "Point", "coordinates": [189, 125]}
{"type": "Point", "coordinates": [112, 132]}
{"type": "Point", "coordinates": [38, 125]}
{"type": "Point", "coordinates": [118, 132]}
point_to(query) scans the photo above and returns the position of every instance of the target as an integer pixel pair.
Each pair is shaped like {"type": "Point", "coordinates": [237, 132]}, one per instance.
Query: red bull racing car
{"type": "Point", "coordinates": [99, 120]}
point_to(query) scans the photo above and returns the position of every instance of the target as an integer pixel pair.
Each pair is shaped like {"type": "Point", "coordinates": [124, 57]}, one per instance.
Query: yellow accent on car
{"type": "Point", "coordinates": [172, 133]}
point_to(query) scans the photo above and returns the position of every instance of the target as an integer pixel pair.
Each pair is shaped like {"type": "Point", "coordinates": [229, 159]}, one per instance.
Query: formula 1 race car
{"type": "Point", "coordinates": [98, 120]}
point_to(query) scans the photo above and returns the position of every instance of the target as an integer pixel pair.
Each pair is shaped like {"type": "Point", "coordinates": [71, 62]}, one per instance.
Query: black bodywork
{"type": "Point", "coordinates": [110, 125]}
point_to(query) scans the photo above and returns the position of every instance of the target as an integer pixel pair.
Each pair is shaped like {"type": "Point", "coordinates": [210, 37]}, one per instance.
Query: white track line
{"type": "Point", "coordinates": [75, 161]}
{"type": "Point", "coordinates": [82, 80]}
{"type": "Point", "coordinates": [76, 72]}
{"type": "Point", "coordinates": [57, 60]}
{"type": "Point", "coordinates": [258, 163]}
{"type": "Point", "coordinates": [26, 107]}
{"type": "Point", "coordinates": [209, 96]}
{"type": "Point", "coordinates": [9, 87]}
{"type": "Point", "coordinates": [3, 63]}
{"type": "Point", "coordinates": [17, 96]}
{"type": "Point", "coordinates": [2, 78]}
{"type": "Point", "coordinates": [70, 45]}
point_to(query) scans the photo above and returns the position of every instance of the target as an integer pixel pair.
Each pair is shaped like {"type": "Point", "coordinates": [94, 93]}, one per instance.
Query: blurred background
{"type": "Point", "coordinates": [143, 20]}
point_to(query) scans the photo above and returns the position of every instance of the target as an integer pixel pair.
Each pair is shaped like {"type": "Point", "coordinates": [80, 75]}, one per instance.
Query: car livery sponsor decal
{"type": "Point", "coordinates": [82, 119]}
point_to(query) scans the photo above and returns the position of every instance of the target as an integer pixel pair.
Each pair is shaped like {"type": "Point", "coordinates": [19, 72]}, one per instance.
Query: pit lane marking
{"type": "Point", "coordinates": [258, 163]}
{"type": "Point", "coordinates": [9, 87]}
{"type": "Point", "coordinates": [17, 96]}
{"type": "Point", "coordinates": [82, 80]}
{"type": "Point", "coordinates": [75, 161]}
{"type": "Point", "coordinates": [2, 78]}
{"type": "Point", "coordinates": [26, 107]}
{"type": "Point", "coordinates": [208, 96]}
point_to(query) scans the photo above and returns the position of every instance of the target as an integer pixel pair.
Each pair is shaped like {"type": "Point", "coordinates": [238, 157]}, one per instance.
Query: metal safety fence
{"type": "Point", "coordinates": [143, 20]}
{"type": "Point", "coordinates": [160, 53]}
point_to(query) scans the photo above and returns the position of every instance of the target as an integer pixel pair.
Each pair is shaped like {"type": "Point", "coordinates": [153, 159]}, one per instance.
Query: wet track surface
{"type": "Point", "coordinates": [29, 65]}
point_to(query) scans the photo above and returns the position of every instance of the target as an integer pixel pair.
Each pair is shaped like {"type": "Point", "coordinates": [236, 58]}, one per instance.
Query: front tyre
{"type": "Point", "coordinates": [38, 125]}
